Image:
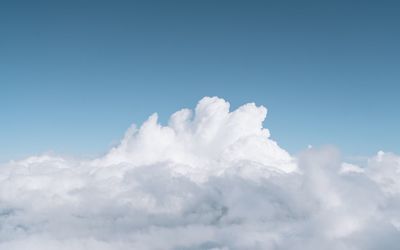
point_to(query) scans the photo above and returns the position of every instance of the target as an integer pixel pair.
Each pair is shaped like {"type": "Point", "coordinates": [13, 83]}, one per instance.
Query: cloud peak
{"type": "Point", "coordinates": [206, 141]}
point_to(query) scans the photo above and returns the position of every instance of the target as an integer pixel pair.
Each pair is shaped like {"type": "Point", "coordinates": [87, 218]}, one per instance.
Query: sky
{"type": "Point", "coordinates": [276, 125]}
{"type": "Point", "coordinates": [74, 75]}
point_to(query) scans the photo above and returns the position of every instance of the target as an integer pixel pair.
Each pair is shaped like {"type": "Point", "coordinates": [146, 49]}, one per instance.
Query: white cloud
{"type": "Point", "coordinates": [204, 143]}
{"type": "Point", "coordinates": [211, 179]}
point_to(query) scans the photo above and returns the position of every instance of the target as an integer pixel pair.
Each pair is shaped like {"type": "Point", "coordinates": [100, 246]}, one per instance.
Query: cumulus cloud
{"type": "Point", "coordinates": [211, 179]}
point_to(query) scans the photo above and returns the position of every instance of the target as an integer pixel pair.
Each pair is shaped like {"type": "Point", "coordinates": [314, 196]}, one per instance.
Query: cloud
{"type": "Point", "coordinates": [204, 143]}
{"type": "Point", "coordinates": [210, 179]}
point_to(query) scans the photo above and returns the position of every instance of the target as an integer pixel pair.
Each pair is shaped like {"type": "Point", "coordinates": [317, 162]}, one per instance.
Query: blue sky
{"type": "Point", "coordinates": [75, 74]}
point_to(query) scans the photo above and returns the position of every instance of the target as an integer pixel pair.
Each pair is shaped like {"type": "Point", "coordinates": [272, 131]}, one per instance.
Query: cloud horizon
{"type": "Point", "coordinates": [210, 179]}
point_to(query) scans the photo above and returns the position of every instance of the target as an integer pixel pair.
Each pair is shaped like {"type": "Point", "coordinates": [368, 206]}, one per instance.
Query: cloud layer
{"type": "Point", "coordinates": [210, 179]}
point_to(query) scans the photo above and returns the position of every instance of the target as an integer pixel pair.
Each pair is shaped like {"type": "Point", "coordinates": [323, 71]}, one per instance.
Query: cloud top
{"type": "Point", "coordinates": [204, 142]}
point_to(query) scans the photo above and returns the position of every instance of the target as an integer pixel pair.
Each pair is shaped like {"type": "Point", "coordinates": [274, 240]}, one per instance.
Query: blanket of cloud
{"type": "Point", "coordinates": [210, 179]}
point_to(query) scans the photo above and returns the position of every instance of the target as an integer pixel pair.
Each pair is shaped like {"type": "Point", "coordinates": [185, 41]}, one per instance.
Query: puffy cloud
{"type": "Point", "coordinates": [210, 179]}
{"type": "Point", "coordinates": [204, 143]}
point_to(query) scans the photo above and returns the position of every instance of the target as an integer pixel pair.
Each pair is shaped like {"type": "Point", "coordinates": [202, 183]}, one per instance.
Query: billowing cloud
{"type": "Point", "coordinates": [210, 179]}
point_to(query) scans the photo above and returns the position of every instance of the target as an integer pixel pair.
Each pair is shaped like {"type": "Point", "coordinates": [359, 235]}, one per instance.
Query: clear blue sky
{"type": "Point", "coordinates": [75, 74]}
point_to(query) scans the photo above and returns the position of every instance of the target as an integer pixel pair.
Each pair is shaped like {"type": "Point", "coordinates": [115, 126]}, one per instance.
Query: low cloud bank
{"type": "Point", "coordinates": [210, 179]}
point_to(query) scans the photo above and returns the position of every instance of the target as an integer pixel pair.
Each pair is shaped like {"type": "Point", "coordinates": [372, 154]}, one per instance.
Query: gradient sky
{"type": "Point", "coordinates": [75, 74]}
